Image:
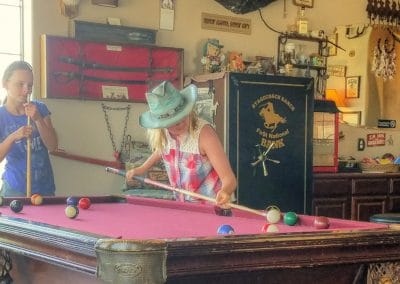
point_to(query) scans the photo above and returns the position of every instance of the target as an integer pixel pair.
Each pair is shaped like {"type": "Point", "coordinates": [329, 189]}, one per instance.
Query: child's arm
{"type": "Point", "coordinates": [141, 170]}
{"type": "Point", "coordinates": [211, 147]}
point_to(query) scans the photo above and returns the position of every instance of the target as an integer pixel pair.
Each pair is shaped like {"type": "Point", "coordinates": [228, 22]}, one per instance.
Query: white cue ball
{"type": "Point", "coordinates": [273, 214]}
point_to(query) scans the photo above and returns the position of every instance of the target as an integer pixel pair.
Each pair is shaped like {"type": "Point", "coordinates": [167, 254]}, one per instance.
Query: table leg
{"type": "Point", "coordinates": [384, 273]}
{"type": "Point", "coordinates": [5, 267]}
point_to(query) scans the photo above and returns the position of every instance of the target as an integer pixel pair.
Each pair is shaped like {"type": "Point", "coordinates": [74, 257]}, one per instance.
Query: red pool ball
{"type": "Point", "coordinates": [84, 203]}
{"type": "Point", "coordinates": [321, 222]}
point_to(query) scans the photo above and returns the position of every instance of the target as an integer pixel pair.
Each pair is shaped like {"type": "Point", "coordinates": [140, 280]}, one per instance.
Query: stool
{"type": "Point", "coordinates": [387, 218]}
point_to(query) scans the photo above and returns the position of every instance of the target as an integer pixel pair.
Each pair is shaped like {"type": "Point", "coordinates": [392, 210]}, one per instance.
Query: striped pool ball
{"type": "Point", "coordinates": [71, 211]}
{"type": "Point", "coordinates": [269, 228]}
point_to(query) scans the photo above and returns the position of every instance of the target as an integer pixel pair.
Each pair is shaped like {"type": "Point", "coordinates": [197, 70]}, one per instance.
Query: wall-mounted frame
{"type": "Point", "coordinates": [304, 3]}
{"type": "Point", "coordinates": [352, 87]}
{"type": "Point", "coordinates": [332, 49]}
{"type": "Point", "coordinates": [351, 117]}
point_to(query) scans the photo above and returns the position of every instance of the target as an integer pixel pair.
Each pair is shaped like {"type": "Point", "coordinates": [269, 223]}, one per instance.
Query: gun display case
{"type": "Point", "coordinates": [74, 69]}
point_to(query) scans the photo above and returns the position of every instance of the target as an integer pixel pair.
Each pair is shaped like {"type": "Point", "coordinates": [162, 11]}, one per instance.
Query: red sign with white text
{"type": "Point", "coordinates": [376, 139]}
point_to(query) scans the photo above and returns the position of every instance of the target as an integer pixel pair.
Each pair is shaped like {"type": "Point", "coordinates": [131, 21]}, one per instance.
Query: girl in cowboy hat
{"type": "Point", "coordinates": [17, 81]}
{"type": "Point", "coordinates": [189, 147]}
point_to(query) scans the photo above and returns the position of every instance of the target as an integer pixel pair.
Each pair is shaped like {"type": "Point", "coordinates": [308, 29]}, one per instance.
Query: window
{"type": "Point", "coordinates": [11, 48]}
{"type": "Point", "coordinates": [12, 35]}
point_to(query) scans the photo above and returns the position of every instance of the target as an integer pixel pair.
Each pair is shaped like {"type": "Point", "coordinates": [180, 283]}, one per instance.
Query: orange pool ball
{"type": "Point", "coordinates": [36, 199]}
{"type": "Point", "coordinates": [84, 203]}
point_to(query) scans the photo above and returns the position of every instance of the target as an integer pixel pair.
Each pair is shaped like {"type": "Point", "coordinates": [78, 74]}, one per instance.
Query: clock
{"type": "Point", "coordinates": [304, 3]}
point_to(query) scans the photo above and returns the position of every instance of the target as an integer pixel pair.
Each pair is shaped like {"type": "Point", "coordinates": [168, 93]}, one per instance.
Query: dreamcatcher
{"type": "Point", "coordinates": [384, 60]}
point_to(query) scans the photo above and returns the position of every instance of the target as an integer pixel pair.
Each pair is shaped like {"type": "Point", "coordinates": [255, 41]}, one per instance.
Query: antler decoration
{"type": "Point", "coordinates": [383, 13]}
{"type": "Point", "coordinates": [69, 8]}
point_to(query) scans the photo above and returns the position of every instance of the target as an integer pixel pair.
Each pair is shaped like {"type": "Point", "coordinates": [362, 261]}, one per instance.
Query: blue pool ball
{"type": "Point", "coordinates": [71, 211]}
{"type": "Point", "coordinates": [72, 201]}
{"type": "Point", "coordinates": [16, 206]}
{"type": "Point", "coordinates": [225, 230]}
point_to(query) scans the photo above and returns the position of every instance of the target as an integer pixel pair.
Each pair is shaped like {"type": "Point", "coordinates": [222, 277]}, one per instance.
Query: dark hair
{"type": "Point", "coordinates": [16, 65]}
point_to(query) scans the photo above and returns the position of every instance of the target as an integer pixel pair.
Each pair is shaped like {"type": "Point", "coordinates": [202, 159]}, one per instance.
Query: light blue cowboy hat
{"type": "Point", "coordinates": [167, 105]}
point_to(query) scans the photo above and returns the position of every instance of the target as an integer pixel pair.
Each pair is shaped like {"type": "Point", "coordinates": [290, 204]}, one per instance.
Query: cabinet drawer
{"type": "Point", "coordinates": [331, 207]}
{"type": "Point", "coordinates": [331, 187]}
{"type": "Point", "coordinates": [394, 203]}
{"type": "Point", "coordinates": [395, 186]}
{"type": "Point", "coordinates": [370, 186]}
{"type": "Point", "coordinates": [363, 207]}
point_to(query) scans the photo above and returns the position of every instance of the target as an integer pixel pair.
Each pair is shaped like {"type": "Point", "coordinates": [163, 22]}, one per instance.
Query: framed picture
{"type": "Point", "coordinates": [332, 49]}
{"type": "Point", "coordinates": [304, 3]}
{"type": "Point", "coordinates": [352, 117]}
{"type": "Point", "coordinates": [352, 87]}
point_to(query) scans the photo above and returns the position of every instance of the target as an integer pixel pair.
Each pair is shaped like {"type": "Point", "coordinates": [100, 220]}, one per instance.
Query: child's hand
{"type": "Point", "coordinates": [223, 198]}
{"type": "Point", "coordinates": [129, 176]}
{"type": "Point", "coordinates": [22, 132]}
{"type": "Point", "coordinates": [32, 111]}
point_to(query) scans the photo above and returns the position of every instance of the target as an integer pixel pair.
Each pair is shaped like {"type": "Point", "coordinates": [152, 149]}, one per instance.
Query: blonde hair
{"type": "Point", "coordinates": [158, 139]}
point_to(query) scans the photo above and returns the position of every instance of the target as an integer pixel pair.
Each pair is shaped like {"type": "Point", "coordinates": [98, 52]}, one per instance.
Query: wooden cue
{"type": "Point", "coordinates": [28, 161]}
{"type": "Point", "coordinates": [186, 192]}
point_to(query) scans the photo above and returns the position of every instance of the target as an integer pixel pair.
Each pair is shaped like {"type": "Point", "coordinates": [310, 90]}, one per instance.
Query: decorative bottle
{"type": "Point", "coordinates": [302, 22]}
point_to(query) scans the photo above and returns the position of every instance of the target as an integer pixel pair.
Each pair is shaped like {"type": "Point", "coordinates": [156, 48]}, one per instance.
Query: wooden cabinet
{"type": "Point", "coordinates": [355, 196]}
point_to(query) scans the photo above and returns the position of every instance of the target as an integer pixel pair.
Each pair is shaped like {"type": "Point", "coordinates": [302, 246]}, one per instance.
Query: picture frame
{"type": "Point", "coordinates": [352, 87]}
{"type": "Point", "coordinates": [332, 49]}
{"type": "Point", "coordinates": [304, 3]}
{"type": "Point", "coordinates": [351, 117]}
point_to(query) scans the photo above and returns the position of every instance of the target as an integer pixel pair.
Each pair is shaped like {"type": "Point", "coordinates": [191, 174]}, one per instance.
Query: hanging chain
{"type": "Point", "coordinates": [107, 119]}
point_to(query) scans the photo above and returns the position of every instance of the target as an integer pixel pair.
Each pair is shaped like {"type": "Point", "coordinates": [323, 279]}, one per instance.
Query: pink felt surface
{"type": "Point", "coordinates": [142, 218]}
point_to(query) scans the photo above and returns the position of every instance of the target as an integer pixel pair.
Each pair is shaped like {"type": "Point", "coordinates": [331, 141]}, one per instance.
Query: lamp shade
{"type": "Point", "coordinates": [332, 95]}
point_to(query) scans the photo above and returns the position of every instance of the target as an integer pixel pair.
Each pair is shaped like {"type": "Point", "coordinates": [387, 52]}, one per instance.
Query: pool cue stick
{"type": "Point", "coordinates": [183, 191]}
{"type": "Point", "coordinates": [28, 160]}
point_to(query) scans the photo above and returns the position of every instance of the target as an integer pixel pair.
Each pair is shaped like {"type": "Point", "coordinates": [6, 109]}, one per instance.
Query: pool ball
{"type": "Point", "coordinates": [36, 199]}
{"type": "Point", "coordinates": [321, 222]}
{"type": "Point", "coordinates": [72, 200]}
{"type": "Point", "coordinates": [269, 228]}
{"type": "Point", "coordinates": [290, 218]}
{"type": "Point", "coordinates": [222, 211]}
{"type": "Point", "coordinates": [225, 230]}
{"type": "Point", "coordinates": [273, 214]}
{"type": "Point", "coordinates": [84, 203]}
{"type": "Point", "coordinates": [16, 206]}
{"type": "Point", "coordinates": [71, 211]}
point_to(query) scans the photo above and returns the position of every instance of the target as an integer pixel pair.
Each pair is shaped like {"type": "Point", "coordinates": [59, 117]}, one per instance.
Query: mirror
{"type": "Point", "coordinates": [365, 85]}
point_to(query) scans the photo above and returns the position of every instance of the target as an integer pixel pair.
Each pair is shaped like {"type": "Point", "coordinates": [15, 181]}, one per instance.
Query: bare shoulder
{"type": "Point", "coordinates": [208, 138]}
{"type": "Point", "coordinates": [208, 132]}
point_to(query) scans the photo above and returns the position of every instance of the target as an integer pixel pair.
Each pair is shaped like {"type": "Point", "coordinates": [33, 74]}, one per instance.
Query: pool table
{"type": "Point", "coordinates": [127, 239]}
